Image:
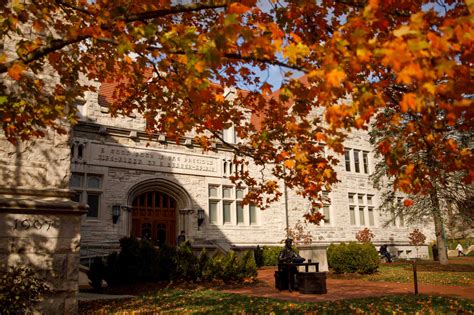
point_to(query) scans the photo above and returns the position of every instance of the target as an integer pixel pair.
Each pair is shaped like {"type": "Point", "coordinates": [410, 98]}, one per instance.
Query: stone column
{"type": "Point", "coordinates": [41, 228]}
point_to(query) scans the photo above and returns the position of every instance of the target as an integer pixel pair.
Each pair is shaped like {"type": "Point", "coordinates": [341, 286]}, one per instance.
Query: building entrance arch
{"type": "Point", "coordinates": [155, 204]}
{"type": "Point", "coordinates": [154, 217]}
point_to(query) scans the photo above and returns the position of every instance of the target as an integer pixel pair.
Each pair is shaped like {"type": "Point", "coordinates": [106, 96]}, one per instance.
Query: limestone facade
{"type": "Point", "coordinates": [129, 166]}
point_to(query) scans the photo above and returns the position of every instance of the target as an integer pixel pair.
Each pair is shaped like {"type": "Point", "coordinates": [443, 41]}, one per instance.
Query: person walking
{"type": "Point", "coordinates": [460, 250]}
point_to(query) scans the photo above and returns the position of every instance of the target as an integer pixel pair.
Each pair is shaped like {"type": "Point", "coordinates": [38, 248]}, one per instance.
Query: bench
{"type": "Point", "coordinates": [306, 282]}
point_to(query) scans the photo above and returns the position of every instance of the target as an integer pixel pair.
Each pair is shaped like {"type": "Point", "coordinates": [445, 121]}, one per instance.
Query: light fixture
{"type": "Point", "coordinates": [200, 216]}
{"type": "Point", "coordinates": [115, 213]}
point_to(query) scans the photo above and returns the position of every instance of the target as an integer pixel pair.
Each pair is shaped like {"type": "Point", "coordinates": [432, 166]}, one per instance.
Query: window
{"type": "Point", "coordinates": [363, 204]}
{"type": "Point", "coordinates": [347, 158]}
{"type": "Point", "coordinates": [326, 210]}
{"type": "Point", "coordinates": [361, 160]}
{"type": "Point", "coordinates": [356, 161]}
{"type": "Point", "coordinates": [213, 212]}
{"type": "Point", "coordinates": [352, 215]}
{"type": "Point", "coordinates": [365, 159]}
{"type": "Point", "coordinates": [371, 216]}
{"type": "Point", "coordinates": [239, 194]}
{"type": "Point", "coordinates": [253, 214]}
{"type": "Point", "coordinates": [87, 189]}
{"type": "Point", "coordinates": [225, 206]}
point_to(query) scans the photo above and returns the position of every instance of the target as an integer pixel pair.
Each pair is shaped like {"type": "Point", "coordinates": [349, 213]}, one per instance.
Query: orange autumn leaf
{"type": "Point", "coordinates": [408, 202]}
{"type": "Point", "coordinates": [408, 102]}
{"type": "Point", "coordinates": [238, 8]}
{"type": "Point", "coordinates": [335, 77]}
{"type": "Point", "coordinates": [290, 164]}
{"type": "Point", "coordinates": [16, 70]}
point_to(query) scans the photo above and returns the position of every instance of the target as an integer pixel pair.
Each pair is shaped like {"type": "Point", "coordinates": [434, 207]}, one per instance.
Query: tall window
{"type": "Point", "coordinates": [87, 189]}
{"type": "Point", "coordinates": [325, 210]}
{"type": "Point", "coordinates": [239, 195]}
{"type": "Point", "coordinates": [365, 159]}
{"type": "Point", "coordinates": [213, 203]}
{"type": "Point", "coordinates": [347, 158]}
{"type": "Point", "coordinates": [252, 214]}
{"type": "Point", "coordinates": [356, 161]}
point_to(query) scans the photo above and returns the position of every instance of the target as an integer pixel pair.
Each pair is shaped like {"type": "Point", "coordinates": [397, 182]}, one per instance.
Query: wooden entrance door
{"type": "Point", "coordinates": [154, 218]}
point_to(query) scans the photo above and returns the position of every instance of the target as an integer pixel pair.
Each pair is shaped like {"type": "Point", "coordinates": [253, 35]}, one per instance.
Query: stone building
{"type": "Point", "coordinates": [155, 188]}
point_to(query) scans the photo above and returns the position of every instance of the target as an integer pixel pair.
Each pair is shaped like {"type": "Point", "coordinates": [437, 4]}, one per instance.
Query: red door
{"type": "Point", "coordinates": [154, 218]}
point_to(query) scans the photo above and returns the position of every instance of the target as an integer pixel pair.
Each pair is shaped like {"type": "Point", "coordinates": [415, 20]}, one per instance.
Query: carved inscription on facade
{"type": "Point", "coordinates": [153, 160]}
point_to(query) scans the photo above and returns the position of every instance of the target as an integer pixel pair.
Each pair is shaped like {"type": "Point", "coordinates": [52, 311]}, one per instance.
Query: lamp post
{"type": "Point", "coordinates": [200, 217]}
{"type": "Point", "coordinates": [115, 213]}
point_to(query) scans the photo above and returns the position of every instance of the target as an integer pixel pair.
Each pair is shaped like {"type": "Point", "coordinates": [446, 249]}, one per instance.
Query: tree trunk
{"type": "Point", "coordinates": [438, 222]}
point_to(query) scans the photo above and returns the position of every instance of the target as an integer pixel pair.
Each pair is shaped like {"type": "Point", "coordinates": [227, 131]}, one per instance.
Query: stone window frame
{"type": "Point", "coordinates": [356, 161]}
{"type": "Point", "coordinates": [361, 212]}
{"type": "Point", "coordinates": [220, 200]}
{"type": "Point", "coordinates": [83, 191]}
{"type": "Point", "coordinates": [326, 209]}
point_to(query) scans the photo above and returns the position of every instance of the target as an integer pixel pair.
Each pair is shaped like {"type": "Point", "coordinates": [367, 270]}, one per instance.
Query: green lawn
{"type": "Point", "coordinates": [428, 273]}
{"type": "Point", "coordinates": [205, 301]}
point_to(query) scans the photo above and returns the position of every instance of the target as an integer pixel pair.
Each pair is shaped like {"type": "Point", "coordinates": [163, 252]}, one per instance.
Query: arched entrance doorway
{"type": "Point", "coordinates": [154, 217]}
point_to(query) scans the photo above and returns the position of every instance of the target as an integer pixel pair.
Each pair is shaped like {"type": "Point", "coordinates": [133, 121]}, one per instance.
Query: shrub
{"type": "Point", "coordinates": [20, 290]}
{"type": "Point", "coordinates": [353, 258]}
{"type": "Point", "coordinates": [248, 266]}
{"type": "Point", "coordinates": [96, 273]}
{"type": "Point", "coordinates": [186, 263]}
{"type": "Point", "coordinates": [149, 262]}
{"type": "Point", "coordinates": [205, 266]}
{"type": "Point", "coordinates": [167, 262]}
{"type": "Point", "coordinates": [270, 255]}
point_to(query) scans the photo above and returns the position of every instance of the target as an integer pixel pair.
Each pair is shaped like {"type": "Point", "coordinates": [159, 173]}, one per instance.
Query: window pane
{"type": "Point", "coordinates": [347, 158]}
{"type": "Point", "coordinates": [371, 216]}
{"type": "Point", "coordinates": [361, 216]}
{"type": "Point", "coordinates": [356, 161]}
{"type": "Point", "coordinates": [253, 214]}
{"type": "Point", "coordinates": [326, 214]}
{"type": "Point", "coordinates": [365, 156]}
{"type": "Point", "coordinates": [93, 202]}
{"type": "Point", "coordinates": [402, 220]}
{"type": "Point", "coordinates": [351, 198]}
{"type": "Point", "coordinates": [352, 215]}
{"type": "Point", "coordinates": [227, 212]}
{"type": "Point", "coordinates": [239, 193]}
{"type": "Point", "coordinates": [360, 199]}
{"type": "Point", "coordinates": [240, 213]}
{"type": "Point", "coordinates": [369, 199]}
{"type": "Point", "coordinates": [212, 191]}
{"type": "Point", "coordinates": [93, 182]}
{"type": "Point", "coordinates": [213, 212]}
{"type": "Point", "coordinates": [76, 180]}
{"type": "Point", "coordinates": [227, 192]}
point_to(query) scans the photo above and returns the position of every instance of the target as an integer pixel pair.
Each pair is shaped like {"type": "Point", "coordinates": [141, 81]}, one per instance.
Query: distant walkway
{"type": "Point", "coordinates": [348, 289]}
{"type": "Point", "coordinates": [85, 296]}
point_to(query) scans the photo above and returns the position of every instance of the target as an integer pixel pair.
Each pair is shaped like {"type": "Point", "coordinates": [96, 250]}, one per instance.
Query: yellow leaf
{"type": "Point", "coordinates": [403, 30]}
{"type": "Point", "coordinates": [290, 164]}
{"type": "Point", "coordinates": [15, 71]}
{"type": "Point", "coordinates": [219, 98]}
{"type": "Point", "coordinates": [335, 77]}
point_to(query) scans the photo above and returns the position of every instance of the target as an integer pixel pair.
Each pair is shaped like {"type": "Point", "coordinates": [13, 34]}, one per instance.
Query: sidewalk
{"type": "Point", "coordinates": [348, 289]}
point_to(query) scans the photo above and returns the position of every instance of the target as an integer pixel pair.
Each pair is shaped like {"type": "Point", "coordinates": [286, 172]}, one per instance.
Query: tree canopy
{"type": "Point", "coordinates": [173, 62]}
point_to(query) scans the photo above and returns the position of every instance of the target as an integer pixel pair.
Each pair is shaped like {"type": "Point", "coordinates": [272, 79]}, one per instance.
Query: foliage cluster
{"type": "Point", "coordinates": [353, 258]}
{"type": "Point", "coordinates": [139, 261]}
{"type": "Point", "coordinates": [417, 238]}
{"type": "Point", "coordinates": [215, 302]}
{"type": "Point", "coordinates": [20, 289]}
{"type": "Point", "coordinates": [365, 236]}
{"type": "Point", "coordinates": [268, 255]}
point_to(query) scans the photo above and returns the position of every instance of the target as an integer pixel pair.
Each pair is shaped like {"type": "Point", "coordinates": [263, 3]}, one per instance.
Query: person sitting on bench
{"type": "Point", "coordinates": [288, 255]}
{"type": "Point", "coordinates": [384, 252]}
